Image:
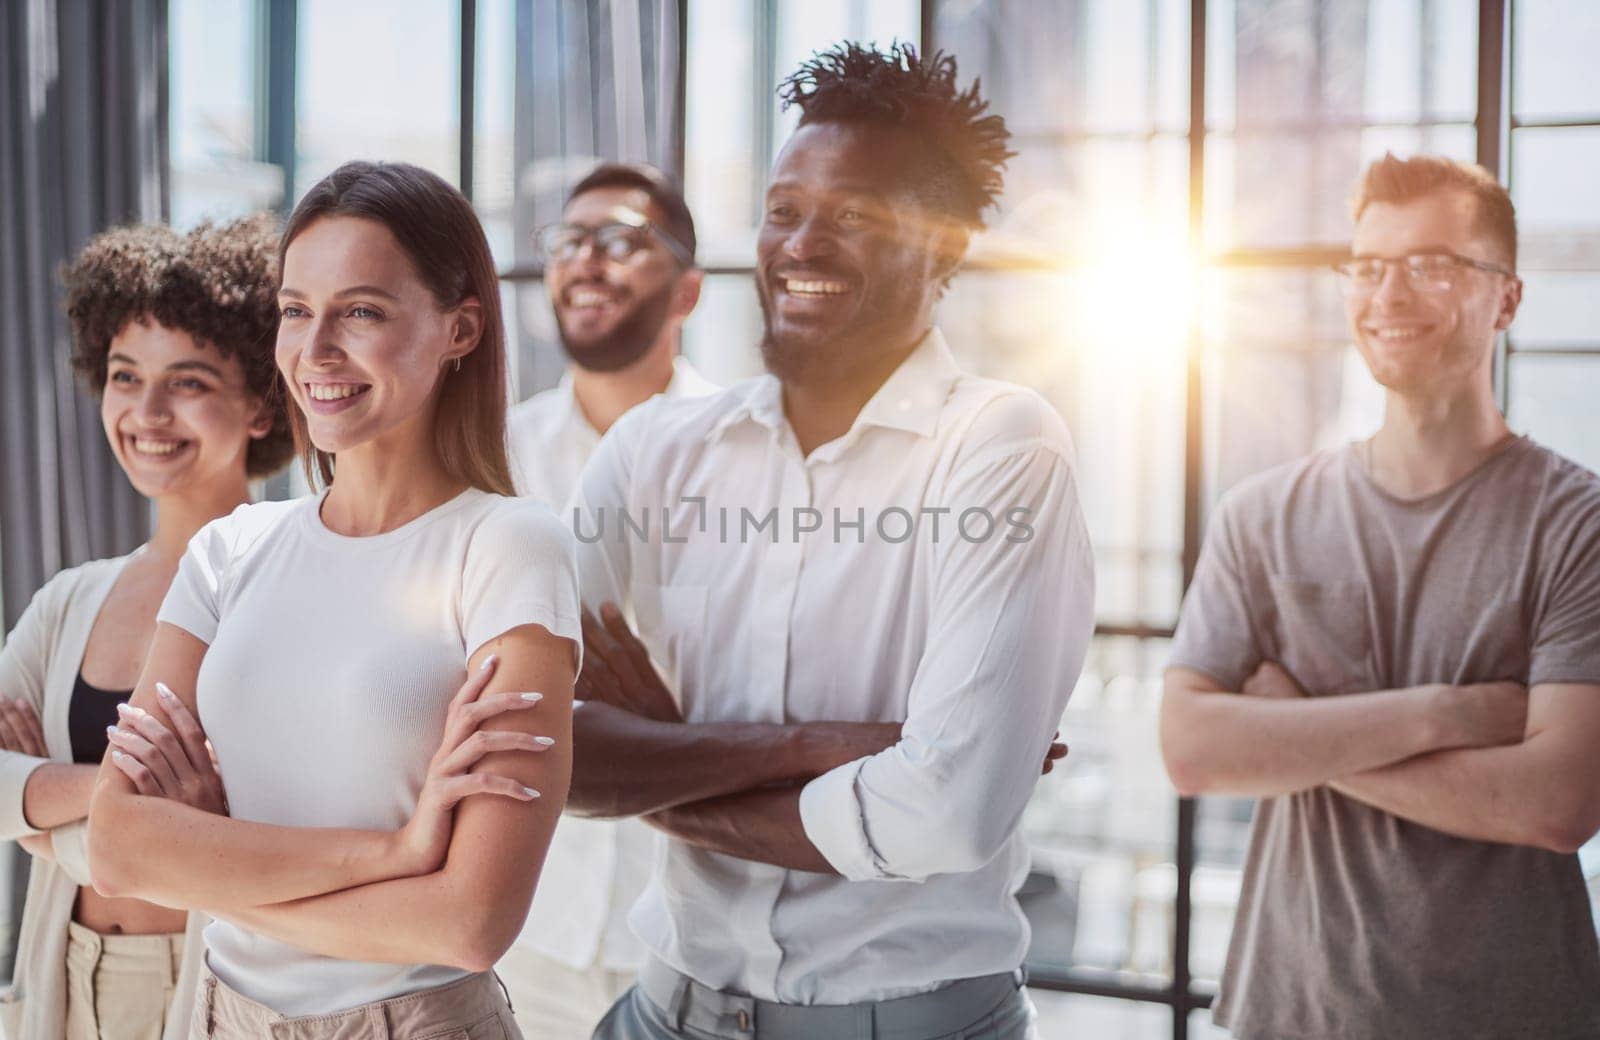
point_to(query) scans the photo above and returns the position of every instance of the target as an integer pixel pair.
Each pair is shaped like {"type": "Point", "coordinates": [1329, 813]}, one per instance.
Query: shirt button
{"type": "Point", "coordinates": [744, 1020]}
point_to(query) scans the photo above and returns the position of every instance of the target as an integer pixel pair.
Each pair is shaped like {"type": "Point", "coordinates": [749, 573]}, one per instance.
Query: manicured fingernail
{"type": "Point", "coordinates": [161, 689]}
{"type": "Point", "coordinates": [546, 741]}
{"type": "Point", "coordinates": [125, 709]}
{"type": "Point", "coordinates": [530, 792]}
{"type": "Point", "coordinates": [116, 754]}
{"type": "Point", "coordinates": [111, 731]}
{"type": "Point", "coordinates": [533, 696]}
{"type": "Point", "coordinates": [489, 662]}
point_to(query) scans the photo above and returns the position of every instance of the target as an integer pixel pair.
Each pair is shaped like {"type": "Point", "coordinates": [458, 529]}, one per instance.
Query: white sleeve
{"type": "Point", "coordinates": [519, 571]}
{"type": "Point", "coordinates": [70, 842]}
{"type": "Point", "coordinates": [1010, 625]}
{"type": "Point", "coordinates": [194, 600]}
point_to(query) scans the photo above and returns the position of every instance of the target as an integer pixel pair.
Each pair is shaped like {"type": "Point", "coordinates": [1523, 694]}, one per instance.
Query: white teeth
{"type": "Point", "coordinates": [332, 391]}
{"type": "Point", "coordinates": [589, 298]}
{"type": "Point", "coordinates": [1398, 334]}
{"type": "Point", "coordinates": [816, 288]}
{"type": "Point", "coordinates": [151, 446]}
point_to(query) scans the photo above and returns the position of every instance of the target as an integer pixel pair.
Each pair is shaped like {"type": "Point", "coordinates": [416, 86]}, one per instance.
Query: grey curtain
{"type": "Point", "coordinates": [83, 147]}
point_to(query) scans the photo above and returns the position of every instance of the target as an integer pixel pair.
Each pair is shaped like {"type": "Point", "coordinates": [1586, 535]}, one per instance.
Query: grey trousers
{"type": "Point", "coordinates": [677, 1008]}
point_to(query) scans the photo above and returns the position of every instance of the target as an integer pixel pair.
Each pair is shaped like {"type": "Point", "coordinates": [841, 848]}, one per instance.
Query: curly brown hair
{"type": "Point", "coordinates": [218, 283]}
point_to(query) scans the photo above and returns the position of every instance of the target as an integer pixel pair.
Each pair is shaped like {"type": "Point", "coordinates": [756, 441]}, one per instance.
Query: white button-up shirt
{"type": "Point", "coordinates": [595, 869]}
{"type": "Point", "coordinates": [779, 588]}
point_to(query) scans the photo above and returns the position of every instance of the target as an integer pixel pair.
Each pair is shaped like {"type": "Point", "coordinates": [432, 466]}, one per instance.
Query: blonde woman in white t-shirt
{"type": "Point", "coordinates": [384, 669]}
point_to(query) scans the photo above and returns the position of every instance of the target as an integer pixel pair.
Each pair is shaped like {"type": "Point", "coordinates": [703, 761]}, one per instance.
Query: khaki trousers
{"type": "Point", "coordinates": [119, 986]}
{"type": "Point", "coordinates": [471, 1009]}
{"type": "Point", "coordinates": [555, 1001]}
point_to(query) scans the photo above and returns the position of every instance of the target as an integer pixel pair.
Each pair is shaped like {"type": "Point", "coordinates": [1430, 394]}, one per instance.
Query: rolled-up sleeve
{"type": "Point", "coordinates": [1010, 623]}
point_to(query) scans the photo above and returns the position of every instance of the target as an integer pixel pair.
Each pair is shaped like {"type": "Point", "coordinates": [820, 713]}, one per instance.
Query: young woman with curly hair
{"type": "Point", "coordinates": [173, 332]}
{"type": "Point", "coordinates": [384, 836]}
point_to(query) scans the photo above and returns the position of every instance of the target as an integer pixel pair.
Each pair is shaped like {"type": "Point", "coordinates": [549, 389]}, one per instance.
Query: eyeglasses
{"type": "Point", "coordinates": [620, 243]}
{"type": "Point", "coordinates": [1431, 272]}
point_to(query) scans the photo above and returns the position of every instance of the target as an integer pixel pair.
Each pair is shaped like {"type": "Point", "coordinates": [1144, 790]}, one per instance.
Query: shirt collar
{"type": "Point", "coordinates": [910, 399]}
{"type": "Point", "coordinates": [686, 381]}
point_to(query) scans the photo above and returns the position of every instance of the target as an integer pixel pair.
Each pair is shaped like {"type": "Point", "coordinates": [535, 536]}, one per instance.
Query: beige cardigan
{"type": "Point", "coordinates": [40, 662]}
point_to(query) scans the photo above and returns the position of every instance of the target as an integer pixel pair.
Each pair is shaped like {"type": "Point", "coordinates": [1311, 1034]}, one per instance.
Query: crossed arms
{"type": "Point", "coordinates": [451, 887]}
{"type": "Point", "coordinates": [1490, 761]}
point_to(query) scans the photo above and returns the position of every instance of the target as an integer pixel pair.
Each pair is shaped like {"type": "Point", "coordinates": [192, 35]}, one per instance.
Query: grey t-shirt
{"type": "Point", "coordinates": [1354, 923]}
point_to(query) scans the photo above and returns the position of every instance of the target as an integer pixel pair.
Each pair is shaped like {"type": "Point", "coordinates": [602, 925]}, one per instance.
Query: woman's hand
{"type": "Point", "coordinates": [174, 763]}
{"type": "Point", "coordinates": [19, 728]}
{"type": "Point", "coordinates": [426, 838]}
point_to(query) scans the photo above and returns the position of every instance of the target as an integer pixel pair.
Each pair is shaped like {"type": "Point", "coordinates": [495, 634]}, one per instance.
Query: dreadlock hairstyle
{"type": "Point", "coordinates": [966, 149]}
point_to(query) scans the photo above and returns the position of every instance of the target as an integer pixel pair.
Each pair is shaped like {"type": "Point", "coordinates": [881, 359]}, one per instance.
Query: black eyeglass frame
{"type": "Point", "coordinates": [591, 234]}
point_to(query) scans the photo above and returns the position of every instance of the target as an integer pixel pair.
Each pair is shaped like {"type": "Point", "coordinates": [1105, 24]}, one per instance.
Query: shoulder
{"type": "Point", "coordinates": [667, 423]}
{"type": "Point", "coordinates": [517, 529]}
{"type": "Point", "coordinates": [528, 418]}
{"type": "Point", "coordinates": [56, 598]}
{"type": "Point", "coordinates": [1567, 501]}
{"type": "Point", "coordinates": [1285, 486]}
{"type": "Point", "coordinates": [992, 418]}
{"type": "Point", "coordinates": [239, 532]}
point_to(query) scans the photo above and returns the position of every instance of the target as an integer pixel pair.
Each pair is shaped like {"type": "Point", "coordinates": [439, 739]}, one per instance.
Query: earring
{"type": "Point", "coordinates": [458, 364]}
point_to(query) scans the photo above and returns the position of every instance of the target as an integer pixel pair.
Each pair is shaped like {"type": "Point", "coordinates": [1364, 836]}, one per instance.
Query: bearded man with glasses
{"type": "Point", "coordinates": [620, 271]}
{"type": "Point", "coordinates": [1395, 645]}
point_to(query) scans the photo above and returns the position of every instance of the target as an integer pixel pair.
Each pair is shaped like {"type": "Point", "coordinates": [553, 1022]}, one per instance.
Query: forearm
{"type": "Point", "coordinates": [1227, 743]}
{"type": "Point", "coordinates": [58, 793]}
{"type": "Point", "coordinates": [417, 920]}
{"type": "Point", "coordinates": [627, 765]}
{"type": "Point", "coordinates": [167, 852]}
{"type": "Point", "coordinates": [762, 826]}
{"type": "Point", "coordinates": [1485, 794]}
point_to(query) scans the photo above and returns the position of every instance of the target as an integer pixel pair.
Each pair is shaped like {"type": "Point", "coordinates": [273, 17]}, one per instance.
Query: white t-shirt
{"type": "Point", "coordinates": [332, 661]}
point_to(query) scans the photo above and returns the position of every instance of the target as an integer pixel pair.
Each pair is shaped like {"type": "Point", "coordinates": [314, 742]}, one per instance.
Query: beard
{"type": "Point", "coordinates": [627, 341]}
{"type": "Point", "coordinates": [839, 353]}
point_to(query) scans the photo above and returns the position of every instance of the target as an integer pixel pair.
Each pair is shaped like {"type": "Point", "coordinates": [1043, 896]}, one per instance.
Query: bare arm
{"type": "Point", "coordinates": [627, 765]}
{"type": "Point", "coordinates": [1542, 792]}
{"type": "Point", "coordinates": [170, 853]}
{"type": "Point", "coordinates": [467, 912]}
{"type": "Point", "coordinates": [763, 826]}
{"type": "Point", "coordinates": [58, 794]}
{"type": "Point", "coordinates": [1219, 742]}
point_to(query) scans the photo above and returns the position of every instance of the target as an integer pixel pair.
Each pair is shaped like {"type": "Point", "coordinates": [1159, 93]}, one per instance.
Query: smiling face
{"type": "Point", "coordinates": [1430, 343]}
{"type": "Point", "coordinates": [610, 312]}
{"type": "Point", "coordinates": [362, 343]}
{"type": "Point", "coordinates": [178, 414]}
{"type": "Point", "coordinates": [849, 262]}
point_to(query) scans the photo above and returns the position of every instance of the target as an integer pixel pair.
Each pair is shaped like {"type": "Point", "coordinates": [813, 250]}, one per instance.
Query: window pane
{"type": "Point", "coordinates": [1100, 66]}
{"type": "Point", "coordinates": [1114, 368]}
{"type": "Point", "coordinates": [1074, 1015]}
{"type": "Point", "coordinates": [1559, 309]}
{"type": "Point", "coordinates": [1281, 64]}
{"type": "Point", "coordinates": [1553, 399]}
{"type": "Point", "coordinates": [1222, 832]}
{"type": "Point", "coordinates": [1552, 184]}
{"type": "Point", "coordinates": [1101, 825]}
{"type": "Point", "coordinates": [723, 335]}
{"type": "Point", "coordinates": [1280, 377]}
{"type": "Point", "coordinates": [723, 176]}
{"type": "Point", "coordinates": [378, 79]}
{"type": "Point", "coordinates": [1280, 190]}
{"type": "Point", "coordinates": [1201, 1027]}
{"type": "Point", "coordinates": [212, 52]}
{"type": "Point", "coordinates": [494, 172]}
{"type": "Point", "coordinates": [1552, 65]}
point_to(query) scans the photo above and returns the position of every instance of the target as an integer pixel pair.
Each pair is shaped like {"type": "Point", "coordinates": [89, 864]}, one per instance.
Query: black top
{"type": "Point", "coordinates": [91, 711]}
